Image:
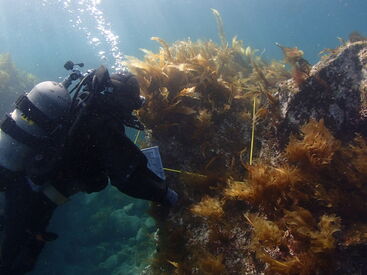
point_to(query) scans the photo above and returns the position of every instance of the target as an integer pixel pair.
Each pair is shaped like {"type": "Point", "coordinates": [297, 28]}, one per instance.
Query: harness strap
{"type": "Point", "coordinates": [33, 113]}
{"type": "Point", "coordinates": [53, 194]}
{"type": "Point", "coordinates": [9, 126]}
{"type": "Point", "coordinates": [49, 191]}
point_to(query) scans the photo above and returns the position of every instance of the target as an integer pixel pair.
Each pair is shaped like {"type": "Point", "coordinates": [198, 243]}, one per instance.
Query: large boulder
{"type": "Point", "coordinates": [334, 91]}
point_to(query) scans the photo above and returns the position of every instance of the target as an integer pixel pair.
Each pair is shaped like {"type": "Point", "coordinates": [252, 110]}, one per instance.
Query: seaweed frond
{"type": "Point", "coordinates": [291, 266]}
{"type": "Point", "coordinates": [316, 148]}
{"type": "Point", "coordinates": [291, 55]}
{"type": "Point", "coordinates": [318, 238]}
{"type": "Point", "coordinates": [356, 36]}
{"type": "Point", "coordinates": [296, 244]}
{"type": "Point", "coordinates": [323, 240]}
{"type": "Point", "coordinates": [238, 190]}
{"type": "Point", "coordinates": [271, 188]}
{"type": "Point", "coordinates": [165, 47]}
{"type": "Point", "coordinates": [208, 207]}
{"type": "Point", "coordinates": [218, 19]}
{"type": "Point", "coordinates": [300, 66]}
{"type": "Point", "coordinates": [266, 234]}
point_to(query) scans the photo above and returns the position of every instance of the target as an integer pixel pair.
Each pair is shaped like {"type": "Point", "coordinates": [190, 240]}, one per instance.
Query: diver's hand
{"type": "Point", "coordinates": [171, 198]}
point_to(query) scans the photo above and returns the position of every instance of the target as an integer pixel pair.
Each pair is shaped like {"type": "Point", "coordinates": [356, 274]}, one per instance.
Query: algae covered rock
{"type": "Point", "coordinates": [300, 208]}
{"type": "Point", "coordinates": [321, 131]}
{"type": "Point", "coordinates": [335, 91]}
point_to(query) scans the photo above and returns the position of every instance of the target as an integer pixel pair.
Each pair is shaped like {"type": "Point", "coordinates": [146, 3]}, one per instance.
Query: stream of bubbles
{"type": "Point", "coordinates": [87, 17]}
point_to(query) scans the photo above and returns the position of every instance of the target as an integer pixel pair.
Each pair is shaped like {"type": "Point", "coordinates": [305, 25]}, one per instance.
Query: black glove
{"type": "Point", "coordinates": [171, 198]}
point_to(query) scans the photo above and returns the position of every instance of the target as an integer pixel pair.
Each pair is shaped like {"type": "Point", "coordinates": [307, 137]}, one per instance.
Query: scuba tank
{"type": "Point", "coordinates": [36, 118]}
{"type": "Point", "coordinates": [34, 133]}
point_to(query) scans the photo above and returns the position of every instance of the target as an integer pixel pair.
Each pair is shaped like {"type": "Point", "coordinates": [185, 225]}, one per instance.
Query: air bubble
{"type": "Point", "coordinates": [100, 35]}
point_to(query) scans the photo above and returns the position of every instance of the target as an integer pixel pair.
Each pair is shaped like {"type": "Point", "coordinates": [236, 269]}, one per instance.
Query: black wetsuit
{"type": "Point", "coordinates": [99, 151]}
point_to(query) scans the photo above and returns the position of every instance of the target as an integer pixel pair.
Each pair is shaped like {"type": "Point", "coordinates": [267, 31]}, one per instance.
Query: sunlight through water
{"type": "Point", "coordinates": [86, 13]}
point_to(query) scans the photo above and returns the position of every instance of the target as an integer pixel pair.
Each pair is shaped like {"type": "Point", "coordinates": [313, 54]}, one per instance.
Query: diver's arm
{"type": "Point", "coordinates": [141, 184]}
{"type": "Point", "coordinates": [126, 165]}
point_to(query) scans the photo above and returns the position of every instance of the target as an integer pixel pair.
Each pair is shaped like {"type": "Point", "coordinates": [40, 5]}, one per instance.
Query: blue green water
{"type": "Point", "coordinates": [40, 36]}
{"type": "Point", "coordinates": [109, 233]}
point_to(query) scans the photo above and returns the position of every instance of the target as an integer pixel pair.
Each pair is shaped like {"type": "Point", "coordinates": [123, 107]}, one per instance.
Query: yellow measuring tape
{"type": "Point", "coordinates": [137, 136]}
{"type": "Point", "coordinates": [253, 130]}
{"type": "Point", "coordinates": [173, 170]}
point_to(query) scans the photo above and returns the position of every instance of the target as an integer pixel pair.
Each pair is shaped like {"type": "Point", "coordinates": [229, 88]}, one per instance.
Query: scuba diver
{"type": "Point", "coordinates": [53, 146]}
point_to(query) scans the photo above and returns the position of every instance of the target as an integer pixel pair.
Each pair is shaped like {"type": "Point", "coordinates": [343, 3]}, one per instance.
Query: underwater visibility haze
{"type": "Point", "coordinates": [259, 109]}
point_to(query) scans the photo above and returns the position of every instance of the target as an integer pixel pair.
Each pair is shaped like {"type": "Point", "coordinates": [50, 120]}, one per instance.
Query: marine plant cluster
{"type": "Point", "coordinates": [13, 82]}
{"type": "Point", "coordinates": [308, 207]}
{"type": "Point", "coordinates": [294, 214]}
{"type": "Point", "coordinates": [200, 95]}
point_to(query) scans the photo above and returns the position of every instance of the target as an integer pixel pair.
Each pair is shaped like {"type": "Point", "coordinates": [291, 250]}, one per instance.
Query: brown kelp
{"type": "Point", "coordinates": [283, 215]}
{"type": "Point", "coordinates": [303, 204]}
{"type": "Point", "coordinates": [201, 94]}
{"type": "Point", "coordinates": [300, 66]}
